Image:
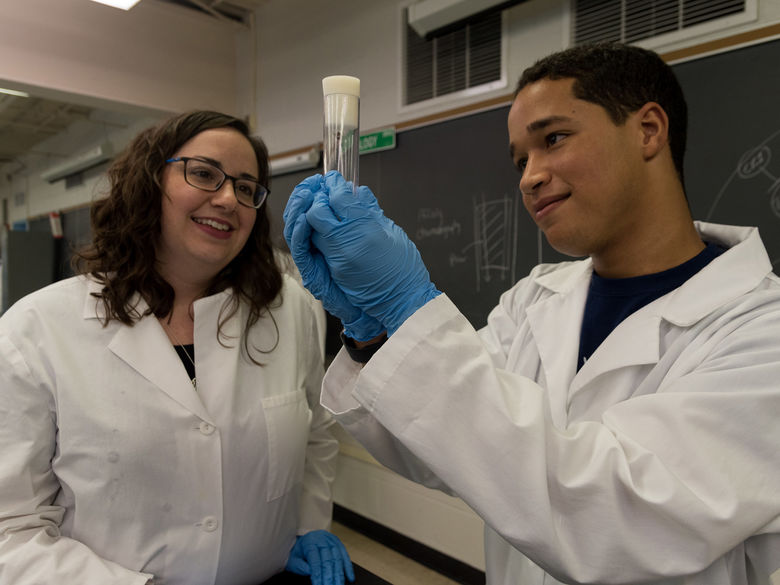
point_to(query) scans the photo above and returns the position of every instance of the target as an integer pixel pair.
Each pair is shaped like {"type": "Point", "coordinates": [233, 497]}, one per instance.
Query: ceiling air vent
{"type": "Point", "coordinates": [634, 20]}
{"type": "Point", "coordinates": [219, 9]}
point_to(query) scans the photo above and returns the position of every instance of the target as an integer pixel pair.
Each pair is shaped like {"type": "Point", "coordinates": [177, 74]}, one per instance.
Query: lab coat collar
{"type": "Point", "coordinates": [146, 348]}
{"type": "Point", "coordinates": [636, 340]}
{"type": "Point", "coordinates": [94, 308]}
{"type": "Point", "coordinates": [564, 277]}
{"type": "Point", "coordinates": [745, 262]}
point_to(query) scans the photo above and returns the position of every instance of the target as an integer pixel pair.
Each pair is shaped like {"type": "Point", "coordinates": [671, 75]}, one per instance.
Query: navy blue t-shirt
{"type": "Point", "coordinates": [610, 300]}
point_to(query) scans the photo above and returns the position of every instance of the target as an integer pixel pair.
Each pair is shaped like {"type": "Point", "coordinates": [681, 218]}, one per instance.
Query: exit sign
{"type": "Point", "coordinates": [376, 141]}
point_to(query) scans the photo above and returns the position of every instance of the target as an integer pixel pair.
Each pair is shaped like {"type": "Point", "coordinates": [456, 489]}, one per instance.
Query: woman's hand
{"type": "Point", "coordinates": [321, 555]}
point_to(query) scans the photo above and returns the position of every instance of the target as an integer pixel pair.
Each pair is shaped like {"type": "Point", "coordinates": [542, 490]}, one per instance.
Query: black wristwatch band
{"type": "Point", "coordinates": [360, 354]}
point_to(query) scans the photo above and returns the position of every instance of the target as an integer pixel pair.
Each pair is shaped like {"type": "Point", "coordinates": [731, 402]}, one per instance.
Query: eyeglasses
{"type": "Point", "coordinates": [204, 175]}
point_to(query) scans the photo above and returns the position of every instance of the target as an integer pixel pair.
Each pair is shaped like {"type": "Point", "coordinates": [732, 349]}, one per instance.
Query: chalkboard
{"type": "Point", "coordinates": [452, 187]}
{"type": "Point", "coordinates": [20, 275]}
{"type": "Point", "coordinates": [733, 160]}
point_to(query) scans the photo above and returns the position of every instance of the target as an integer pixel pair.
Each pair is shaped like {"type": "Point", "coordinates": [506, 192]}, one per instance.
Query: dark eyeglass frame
{"type": "Point", "coordinates": [262, 191]}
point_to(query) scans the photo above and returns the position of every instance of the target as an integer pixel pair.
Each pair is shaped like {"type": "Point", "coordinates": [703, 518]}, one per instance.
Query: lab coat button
{"type": "Point", "coordinates": [206, 428]}
{"type": "Point", "coordinates": [209, 524]}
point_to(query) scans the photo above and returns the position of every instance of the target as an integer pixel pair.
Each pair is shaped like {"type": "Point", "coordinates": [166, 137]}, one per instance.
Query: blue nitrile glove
{"type": "Point", "coordinates": [370, 258]}
{"type": "Point", "coordinates": [300, 201]}
{"type": "Point", "coordinates": [320, 554]}
{"type": "Point", "coordinates": [313, 269]}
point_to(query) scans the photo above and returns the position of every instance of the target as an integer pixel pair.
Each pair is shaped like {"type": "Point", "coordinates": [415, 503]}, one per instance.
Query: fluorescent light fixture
{"type": "Point", "coordinates": [123, 4]}
{"type": "Point", "coordinates": [14, 92]}
{"type": "Point", "coordinates": [295, 162]}
{"type": "Point", "coordinates": [78, 163]}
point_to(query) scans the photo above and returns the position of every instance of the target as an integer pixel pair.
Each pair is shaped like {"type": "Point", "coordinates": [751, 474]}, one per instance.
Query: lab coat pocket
{"type": "Point", "coordinates": [287, 420]}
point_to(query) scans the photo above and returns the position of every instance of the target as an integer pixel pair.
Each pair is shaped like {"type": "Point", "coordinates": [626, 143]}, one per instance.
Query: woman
{"type": "Point", "coordinates": [125, 463]}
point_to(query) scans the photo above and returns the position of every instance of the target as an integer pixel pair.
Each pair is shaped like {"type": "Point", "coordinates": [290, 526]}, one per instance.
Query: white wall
{"type": "Point", "coordinates": [363, 38]}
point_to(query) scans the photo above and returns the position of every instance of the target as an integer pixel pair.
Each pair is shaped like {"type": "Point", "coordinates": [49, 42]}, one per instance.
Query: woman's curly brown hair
{"type": "Point", "coordinates": [126, 229]}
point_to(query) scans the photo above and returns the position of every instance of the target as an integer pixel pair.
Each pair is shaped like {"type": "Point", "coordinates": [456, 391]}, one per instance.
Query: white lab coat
{"type": "Point", "coordinates": [113, 469]}
{"type": "Point", "coordinates": [658, 462]}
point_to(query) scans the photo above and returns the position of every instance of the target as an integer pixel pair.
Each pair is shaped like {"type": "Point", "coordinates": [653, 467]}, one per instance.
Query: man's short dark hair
{"type": "Point", "coordinates": [621, 79]}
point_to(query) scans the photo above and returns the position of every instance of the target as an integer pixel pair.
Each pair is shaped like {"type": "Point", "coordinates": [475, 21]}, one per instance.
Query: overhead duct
{"type": "Point", "coordinates": [81, 162]}
{"type": "Point", "coordinates": [430, 17]}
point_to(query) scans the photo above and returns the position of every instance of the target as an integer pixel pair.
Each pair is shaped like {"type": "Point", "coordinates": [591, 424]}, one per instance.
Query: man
{"type": "Point", "coordinates": [616, 420]}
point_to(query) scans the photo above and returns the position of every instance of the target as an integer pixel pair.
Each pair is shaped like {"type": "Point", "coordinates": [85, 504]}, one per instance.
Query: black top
{"type": "Point", "coordinates": [183, 350]}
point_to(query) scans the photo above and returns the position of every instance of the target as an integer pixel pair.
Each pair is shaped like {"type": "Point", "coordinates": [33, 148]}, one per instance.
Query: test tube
{"type": "Point", "coordinates": [341, 126]}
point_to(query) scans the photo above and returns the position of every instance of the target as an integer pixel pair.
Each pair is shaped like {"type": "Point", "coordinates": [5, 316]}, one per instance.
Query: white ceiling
{"type": "Point", "coordinates": [27, 122]}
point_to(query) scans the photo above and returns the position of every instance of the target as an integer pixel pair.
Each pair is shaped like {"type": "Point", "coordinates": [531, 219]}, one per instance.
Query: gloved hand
{"type": "Point", "coordinates": [370, 258]}
{"type": "Point", "coordinates": [321, 555]}
{"type": "Point", "coordinates": [313, 269]}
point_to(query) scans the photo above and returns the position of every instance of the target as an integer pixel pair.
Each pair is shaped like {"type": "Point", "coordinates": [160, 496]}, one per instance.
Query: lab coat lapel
{"type": "Point", "coordinates": [555, 323]}
{"type": "Point", "coordinates": [634, 342]}
{"type": "Point", "coordinates": [217, 362]}
{"type": "Point", "coordinates": [146, 349]}
{"type": "Point", "coordinates": [637, 340]}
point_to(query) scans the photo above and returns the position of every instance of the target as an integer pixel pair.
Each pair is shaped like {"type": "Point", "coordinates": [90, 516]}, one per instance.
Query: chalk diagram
{"type": "Point", "coordinates": [494, 248]}
{"type": "Point", "coordinates": [754, 165]}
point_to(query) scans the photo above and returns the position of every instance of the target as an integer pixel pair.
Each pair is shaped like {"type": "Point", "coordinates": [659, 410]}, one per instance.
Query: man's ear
{"type": "Point", "coordinates": [654, 128]}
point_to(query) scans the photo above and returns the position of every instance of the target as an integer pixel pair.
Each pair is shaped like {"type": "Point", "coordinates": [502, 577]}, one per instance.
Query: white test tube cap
{"type": "Point", "coordinates": [344, 84]}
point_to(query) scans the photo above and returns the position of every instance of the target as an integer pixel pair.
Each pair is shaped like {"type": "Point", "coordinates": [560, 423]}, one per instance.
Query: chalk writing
{"type": "Point", "coordinates": [494, 247]}
{"type": "Point", "coordinates": [457, 259]}
{"type": "Point", "coordinates": [754, 162]}
{"type": "Point", "coordinates": [775, 198]}
{"type": "Point", "coordinates": [433, 213]}
{"type": "Point", "coordinates": [444, 231]}
{"type": "Point", "coordinates": [752, 165]}
{"type": "Point", "coordinates": [435, 216]}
